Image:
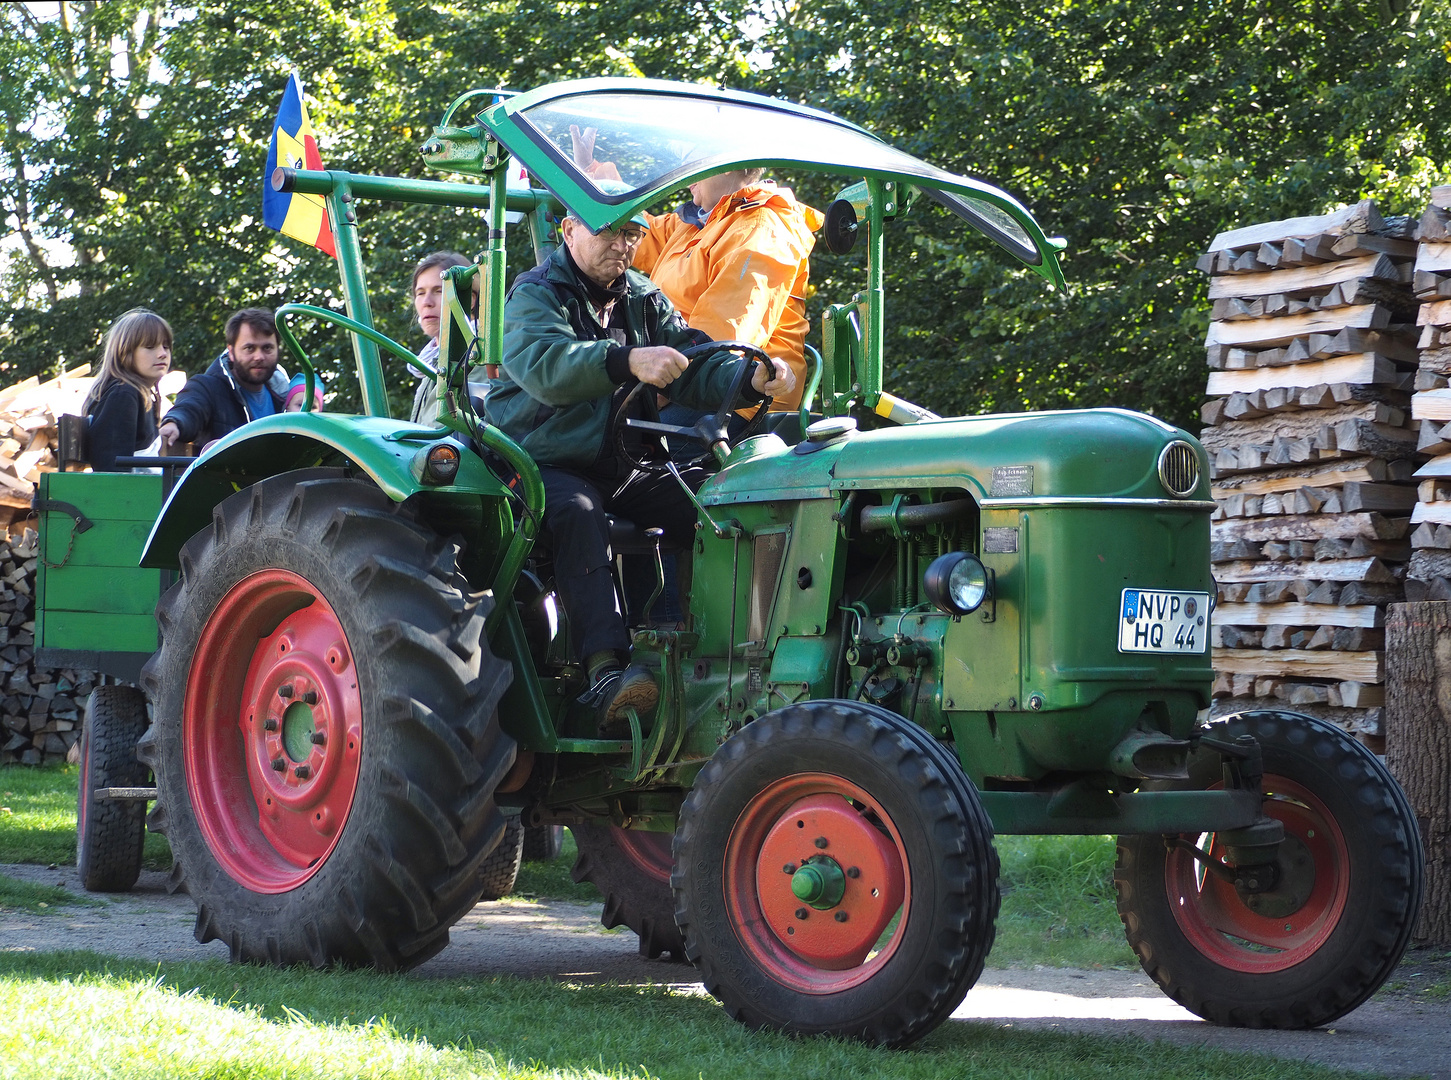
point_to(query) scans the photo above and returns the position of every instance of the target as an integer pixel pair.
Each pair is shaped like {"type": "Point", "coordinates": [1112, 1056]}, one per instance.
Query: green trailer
{"type": "Point", "coordinates": [906, 633]}
{"type": "Point", "coordinates": [95, 610]}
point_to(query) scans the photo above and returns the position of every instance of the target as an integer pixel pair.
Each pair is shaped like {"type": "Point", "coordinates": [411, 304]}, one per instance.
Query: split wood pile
{"type": "Point", "coordinates": [1429, 574]}
{"type": "Point", "coordinates": [28, 438]}
{"type": "Point", "coordinates": [40, 709]}
{"type": "Point", "coordinates": [1312, 355]}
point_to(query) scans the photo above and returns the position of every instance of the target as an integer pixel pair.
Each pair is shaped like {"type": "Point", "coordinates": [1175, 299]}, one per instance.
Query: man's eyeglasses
{"type": "Point", "coordinates": [631, 234]}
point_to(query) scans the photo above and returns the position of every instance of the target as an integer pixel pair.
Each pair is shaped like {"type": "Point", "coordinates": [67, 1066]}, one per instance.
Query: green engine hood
{"type": "Point", "coordinates": [1084, 454]}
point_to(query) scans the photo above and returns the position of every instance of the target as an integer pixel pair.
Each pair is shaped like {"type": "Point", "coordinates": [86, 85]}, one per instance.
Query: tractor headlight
{"type": "Point", "coordinates": [956, 583]}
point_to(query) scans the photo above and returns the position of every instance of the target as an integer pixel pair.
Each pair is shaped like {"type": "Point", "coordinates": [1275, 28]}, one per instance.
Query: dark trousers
{"type": "Point", "coordinates": [576, 528]}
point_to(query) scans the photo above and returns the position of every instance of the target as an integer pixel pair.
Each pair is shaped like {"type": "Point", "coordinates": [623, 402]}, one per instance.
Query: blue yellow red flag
{"type": "Point", "coordinates": [302, 217]}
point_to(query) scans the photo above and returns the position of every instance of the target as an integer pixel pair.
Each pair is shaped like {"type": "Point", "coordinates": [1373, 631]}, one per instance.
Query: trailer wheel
{"type": "Point", "coordinates": [835, 874]}
{"type": "Point", "coordinates": [543, 843]}
{"type": "Point", "coordinates": [1339, 918]}
{"type": "Point", "coordinates": [111, 832]}
{"type": "Point", "coordinates": [326, 741]}
{"type": "Point", "coordinates": [631, 869]}
{"type": "Point", "coordinates": [501, 868]}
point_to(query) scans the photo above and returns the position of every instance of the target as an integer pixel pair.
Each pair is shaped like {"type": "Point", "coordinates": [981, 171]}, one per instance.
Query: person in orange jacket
{"type": "Point", "coordinates": [735, 264]}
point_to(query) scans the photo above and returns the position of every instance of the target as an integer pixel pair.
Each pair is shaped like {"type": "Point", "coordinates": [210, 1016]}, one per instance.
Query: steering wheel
{"type": "Point", "coordinates": [711, 430]}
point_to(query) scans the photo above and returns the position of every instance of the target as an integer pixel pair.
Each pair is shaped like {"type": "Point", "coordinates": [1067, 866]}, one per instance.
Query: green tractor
{"type": "Point", "coordinates": [905, 633]}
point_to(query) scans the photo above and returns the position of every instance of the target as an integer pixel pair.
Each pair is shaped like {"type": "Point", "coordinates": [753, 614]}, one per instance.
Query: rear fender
{"type": "Point", "coordinates": [382, 448]}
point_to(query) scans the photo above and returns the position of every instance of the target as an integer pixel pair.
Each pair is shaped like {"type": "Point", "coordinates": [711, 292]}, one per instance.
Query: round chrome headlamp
{"type": "Point", "coordinates": [956, 583]}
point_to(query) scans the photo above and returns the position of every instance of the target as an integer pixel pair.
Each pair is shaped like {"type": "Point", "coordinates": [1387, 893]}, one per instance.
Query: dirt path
{"type": "Point", "coordinates": [1397, 1033]}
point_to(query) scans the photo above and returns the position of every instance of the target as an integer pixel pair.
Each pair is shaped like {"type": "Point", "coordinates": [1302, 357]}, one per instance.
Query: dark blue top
{"type": "Point", "coordinates": [121, 424]}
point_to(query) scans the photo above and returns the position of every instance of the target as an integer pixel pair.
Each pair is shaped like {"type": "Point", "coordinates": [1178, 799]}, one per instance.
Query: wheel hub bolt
{"type": "Point", "coordinates": [318, 738]}
{"type": "Point", "coordinates": [278, 765]}
{"type": "Point", "coordinates": [853, 872]}
{"type": "Point", "coordinates": [310, 697]}
{"type": "Point", "coordinates": [302, 772]}
{"type": "Point", "coordinates": [801, 913]}
{"type": "Point", "coordinates": [285, 690]}
{"type": "Point", "coordinates": [270, 724]}
{"type": "Point", "coordinates": [819, 882]}
{"type": "Point", "coordinates": [789, 868]}
{"type": "Point", "coordinates": [840, 916]}
{"type": "Point", "coordinates": [821, 841]}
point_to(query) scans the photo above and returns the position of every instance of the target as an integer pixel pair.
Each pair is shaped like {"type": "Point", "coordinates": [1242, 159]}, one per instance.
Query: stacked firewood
{"type": "Point", "coordinates": [1429, 575]}
{"type": "Point", "coordinates": [28, 437]}
{"type": "Point", "coordinates": [40, 709]}
{"type": "Point", "coordinates": [1312, 353]}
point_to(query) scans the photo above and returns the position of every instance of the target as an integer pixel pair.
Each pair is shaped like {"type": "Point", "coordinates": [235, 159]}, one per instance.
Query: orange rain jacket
{"type": "Point", "coordinates": [742, 276]}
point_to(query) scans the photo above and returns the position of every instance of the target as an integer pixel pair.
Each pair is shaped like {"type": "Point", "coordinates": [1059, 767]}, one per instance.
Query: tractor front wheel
{"type": "Point", "coordinates": [1346, 889]}
{"type": "Point", "coordinates": [835, 874]}
{"type": "Point", "coordinates": [326, 742]}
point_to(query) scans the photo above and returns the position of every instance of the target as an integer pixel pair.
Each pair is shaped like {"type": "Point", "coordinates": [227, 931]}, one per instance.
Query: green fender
{"type": "Point", "coordinates": [383, 448]}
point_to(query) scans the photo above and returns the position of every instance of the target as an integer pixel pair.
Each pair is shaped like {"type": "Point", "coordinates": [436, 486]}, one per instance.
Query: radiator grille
{"type": "Point", "coordinates": [1179, 469]}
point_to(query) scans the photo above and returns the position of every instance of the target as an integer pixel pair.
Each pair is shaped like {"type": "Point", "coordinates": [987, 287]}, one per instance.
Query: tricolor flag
{"type": "Point", "coordinates": [302, 217]}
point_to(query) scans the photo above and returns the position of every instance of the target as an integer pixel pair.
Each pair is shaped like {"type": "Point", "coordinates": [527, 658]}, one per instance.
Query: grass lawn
{"type": "Point", "coordinates": [217, 1021]}
{"type": "Point", "coordinates": [78, 1014]}
{"type": "Point", "coordinates": [38, 818]}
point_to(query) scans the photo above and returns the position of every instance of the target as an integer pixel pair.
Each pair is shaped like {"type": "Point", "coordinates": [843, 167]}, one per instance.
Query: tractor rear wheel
{"type": "Point", "coordinates": [326, 741]}
{"type": "Point", "coordinates": [111, 832]}
{"type": "Point", "coordinates": [1338, 919]}
{"type": "Point", "coordinates": [631, 869]}
{"type": "Point", "coordinates": [835, 874]}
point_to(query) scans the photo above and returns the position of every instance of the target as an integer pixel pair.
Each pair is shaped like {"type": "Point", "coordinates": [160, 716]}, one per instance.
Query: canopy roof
{"type": "Point", "coordinates": [661, 136]}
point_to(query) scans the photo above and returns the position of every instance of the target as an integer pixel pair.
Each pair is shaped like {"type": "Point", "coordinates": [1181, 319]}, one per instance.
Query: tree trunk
{"type": "Point", "coordinates": [1418, 744]}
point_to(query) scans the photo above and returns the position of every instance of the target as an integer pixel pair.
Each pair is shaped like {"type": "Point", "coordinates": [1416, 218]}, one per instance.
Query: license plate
{"type": "Point", "coordinates": [1163, 622]}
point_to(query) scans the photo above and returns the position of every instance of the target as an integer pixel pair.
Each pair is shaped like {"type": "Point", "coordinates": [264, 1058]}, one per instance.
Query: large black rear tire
{"type": "Point", "coordinates": [1338, 921]}
{"type": "Point", "coordinates": [631, 869]}
{"type": "Point", "coordinates": [326, 742]}
{"type": "Point", "coordinates": [835, 874]}
{"type": "Point", "coordinates": [110, 832]}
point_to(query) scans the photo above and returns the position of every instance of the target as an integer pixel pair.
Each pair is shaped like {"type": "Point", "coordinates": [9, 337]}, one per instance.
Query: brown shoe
{"type": "Point", "coordinates": [615, 690]}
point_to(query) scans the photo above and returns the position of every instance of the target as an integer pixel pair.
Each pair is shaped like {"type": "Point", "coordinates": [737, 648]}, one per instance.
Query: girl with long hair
{"type": "Point", "coordinates": [124, 404]}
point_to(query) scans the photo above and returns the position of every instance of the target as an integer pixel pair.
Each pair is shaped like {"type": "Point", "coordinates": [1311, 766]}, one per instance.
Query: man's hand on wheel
{"type": "Point", "coordinates": [657, 365]}
{"type": "Point", "coordinates": [777, 381]}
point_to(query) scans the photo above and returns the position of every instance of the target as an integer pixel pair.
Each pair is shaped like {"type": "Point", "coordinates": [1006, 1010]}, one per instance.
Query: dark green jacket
{"type": "Point", "coordinates": [563, 376]}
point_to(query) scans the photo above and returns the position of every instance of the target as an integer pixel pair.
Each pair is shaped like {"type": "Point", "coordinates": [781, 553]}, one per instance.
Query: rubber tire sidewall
{"type": "Point", "coordinates": [1385, 870]}
{"type": "Point", "coordinates": [111, 833]}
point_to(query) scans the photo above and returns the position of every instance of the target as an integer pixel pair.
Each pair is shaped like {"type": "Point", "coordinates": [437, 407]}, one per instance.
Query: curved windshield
{"type": "Point", "coordinates": [655, 139]}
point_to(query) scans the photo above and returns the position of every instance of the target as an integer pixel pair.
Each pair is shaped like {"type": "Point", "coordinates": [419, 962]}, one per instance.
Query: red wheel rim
{"type": "Point", "coordinates": [649, 851]}
{"type": "Point", "coordinates": [272, 731]}
{"type": "Point", "coordinates": [1216, 921]}
{"type": "Point", "coordinates": [826, 945]}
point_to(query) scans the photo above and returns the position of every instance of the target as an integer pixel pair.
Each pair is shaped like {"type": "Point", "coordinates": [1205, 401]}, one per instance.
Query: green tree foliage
{"type": "Point", "coordinates": [134, 132]}
{"type": "Point", "coordinates": [1136, 131]}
